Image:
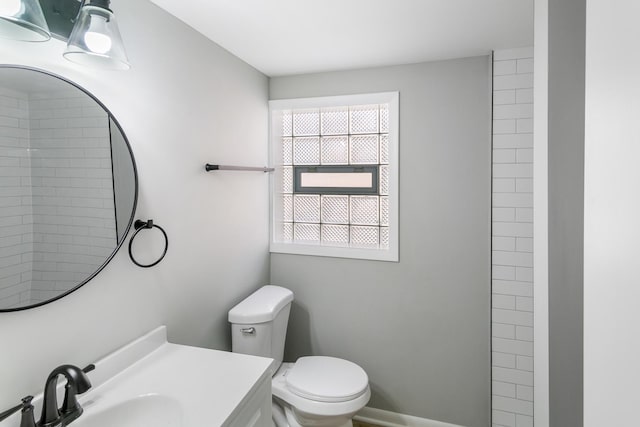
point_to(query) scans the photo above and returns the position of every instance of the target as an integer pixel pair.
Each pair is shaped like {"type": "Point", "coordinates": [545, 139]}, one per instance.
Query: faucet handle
{"type": "Point", "coordinates": [88, 368]}
{"type": "Point", "coordinates": [6, 414]}
{"type": "Point", "coordinates": [27, 412]}
{"type": "Point", "coordinates": [28, 419]}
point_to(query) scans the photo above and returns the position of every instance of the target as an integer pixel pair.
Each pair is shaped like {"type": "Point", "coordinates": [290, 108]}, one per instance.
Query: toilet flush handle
{"type": "Point", "coordinates": [248, 331]}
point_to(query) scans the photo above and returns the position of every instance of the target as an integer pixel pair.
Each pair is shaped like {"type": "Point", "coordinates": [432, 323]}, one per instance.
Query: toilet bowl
{"type": "Point", "coordinates": [320, 391]}
{"type": "Point", "coordinates": [316, 391]}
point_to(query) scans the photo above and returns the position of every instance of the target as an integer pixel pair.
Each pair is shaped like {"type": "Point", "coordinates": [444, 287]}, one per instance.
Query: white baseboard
{"type": "Point", "coordinates": [393, 419]}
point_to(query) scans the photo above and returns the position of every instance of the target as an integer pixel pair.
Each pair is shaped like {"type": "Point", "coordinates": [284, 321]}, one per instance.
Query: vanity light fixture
{"type": "Point", "coordinates": [23, 20]}
{"type": "Point", "coordinates": [95, 39]}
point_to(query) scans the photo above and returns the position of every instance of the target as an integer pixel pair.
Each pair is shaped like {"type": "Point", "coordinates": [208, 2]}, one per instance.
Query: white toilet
{"type": "Point", "coordinates": [314, 391]}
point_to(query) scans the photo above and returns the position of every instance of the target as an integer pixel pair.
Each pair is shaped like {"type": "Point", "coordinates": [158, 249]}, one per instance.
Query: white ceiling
{"type": "Point", "coordinates": [282, 37]}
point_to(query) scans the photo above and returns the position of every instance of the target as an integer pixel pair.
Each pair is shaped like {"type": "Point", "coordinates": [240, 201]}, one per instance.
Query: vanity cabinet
{"type": "Point", "coordinates": [256, 412]}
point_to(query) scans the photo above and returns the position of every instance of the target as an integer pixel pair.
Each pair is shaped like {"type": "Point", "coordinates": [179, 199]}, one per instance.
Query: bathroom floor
{"type": "Point", "coordinates": [361, 424]}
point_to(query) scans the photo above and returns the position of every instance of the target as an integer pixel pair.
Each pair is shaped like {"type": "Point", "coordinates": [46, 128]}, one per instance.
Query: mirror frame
{"type": "Point", "coordinates": [135, 196]}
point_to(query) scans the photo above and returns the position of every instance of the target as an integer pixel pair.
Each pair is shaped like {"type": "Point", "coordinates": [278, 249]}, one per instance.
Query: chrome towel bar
{"type": "Point", "coordinates": [209, 167]}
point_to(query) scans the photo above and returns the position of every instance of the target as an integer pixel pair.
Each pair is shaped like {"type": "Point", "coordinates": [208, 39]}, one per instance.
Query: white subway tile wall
{"type": "Point", "coordinates": [512, 243]}
{"type": "Point", "coordinates": [73, 204]}
{"type": "Point", "coordinates": [57, 219]}
{"type": "Point", "coordinates": [16, 247]}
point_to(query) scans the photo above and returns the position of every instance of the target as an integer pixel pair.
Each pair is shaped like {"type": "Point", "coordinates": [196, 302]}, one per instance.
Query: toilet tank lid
{"type": "Point", "coordinates": [261, 306]}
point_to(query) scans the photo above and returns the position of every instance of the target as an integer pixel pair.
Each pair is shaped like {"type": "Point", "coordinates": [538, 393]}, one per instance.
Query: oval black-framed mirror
{"type": "Point", "coordinates": [68, 187]}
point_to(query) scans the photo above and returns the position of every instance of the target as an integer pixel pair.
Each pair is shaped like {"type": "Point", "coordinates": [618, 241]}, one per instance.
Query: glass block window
{"type": "Point", "coordinates": [327, 152]}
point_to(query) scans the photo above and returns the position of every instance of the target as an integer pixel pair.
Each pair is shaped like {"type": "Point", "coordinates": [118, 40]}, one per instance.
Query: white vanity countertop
{"type": "Point", "coordinates": [193, 386]}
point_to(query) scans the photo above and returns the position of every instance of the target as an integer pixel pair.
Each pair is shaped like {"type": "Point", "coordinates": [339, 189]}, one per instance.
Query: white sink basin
{"type": "Point", "coordinates": [153, 383]}
{"type": "Point", "coordinates": [151, 410]}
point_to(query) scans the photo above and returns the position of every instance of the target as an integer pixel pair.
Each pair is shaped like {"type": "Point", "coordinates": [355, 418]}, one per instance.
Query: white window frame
{"type": "Point", "coordinates": [275, 134]}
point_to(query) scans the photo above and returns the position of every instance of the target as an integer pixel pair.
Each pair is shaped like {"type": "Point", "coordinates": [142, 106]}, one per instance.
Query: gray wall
{"type": "Point", "coordinates": [566, 210]}
{"type": "Point", "coordinates": [185, 102]}
{"type": "Point", "coordinates": [420, 327]}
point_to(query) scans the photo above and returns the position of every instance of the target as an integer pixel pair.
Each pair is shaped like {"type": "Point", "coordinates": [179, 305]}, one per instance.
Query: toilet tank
{"type": "Point", "coordinates": [259, 323]}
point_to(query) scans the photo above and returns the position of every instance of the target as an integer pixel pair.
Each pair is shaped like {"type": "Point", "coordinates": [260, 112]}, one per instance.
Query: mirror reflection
{"type": "Point", "coordinates": [68, 187]}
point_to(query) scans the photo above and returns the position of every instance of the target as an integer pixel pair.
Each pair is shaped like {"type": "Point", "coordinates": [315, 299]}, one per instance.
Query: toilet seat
{"type": "Point", "coordinates": [326, 379]}
{"type": "Point", "coordinates": [339, 405]}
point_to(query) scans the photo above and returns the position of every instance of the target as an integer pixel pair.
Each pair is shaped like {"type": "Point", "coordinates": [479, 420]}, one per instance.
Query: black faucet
{"type": "Point", "coordinates": [77, 383]}
{"type": "Point", "coordinates": [52, 416]}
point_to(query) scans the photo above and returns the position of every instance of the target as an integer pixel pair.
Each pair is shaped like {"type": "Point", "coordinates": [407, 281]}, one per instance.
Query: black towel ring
{"type": "Point", "coordinates": [139, 226]}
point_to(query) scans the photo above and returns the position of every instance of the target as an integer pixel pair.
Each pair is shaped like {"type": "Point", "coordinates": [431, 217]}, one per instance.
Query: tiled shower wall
{"type": "Point", "coordinates": [16, 246]}
{"type": "Point", "coordinates": [57, 220]}
{"type": "Point", "coordinates": [73, 205]}
{"type": "Point", "coordinates": [512, 236]}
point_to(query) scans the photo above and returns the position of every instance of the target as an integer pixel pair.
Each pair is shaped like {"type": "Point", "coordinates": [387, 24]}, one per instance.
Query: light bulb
{"type": "Point", "coordinates": [95, 38]}
{"type": "Point", "coordinates": [10, 7]}
{"type": "Point", "coordinates": [97, 42]}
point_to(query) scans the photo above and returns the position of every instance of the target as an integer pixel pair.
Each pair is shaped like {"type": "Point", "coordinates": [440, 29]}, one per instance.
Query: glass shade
{"type": "Point", "coordinates": [23, 20]}
{"type": "Point", "coordinates": [96, 41]}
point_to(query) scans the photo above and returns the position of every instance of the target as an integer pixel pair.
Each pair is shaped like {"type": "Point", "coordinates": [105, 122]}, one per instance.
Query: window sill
{"type": "Point", "coordinates": [311, 249]}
